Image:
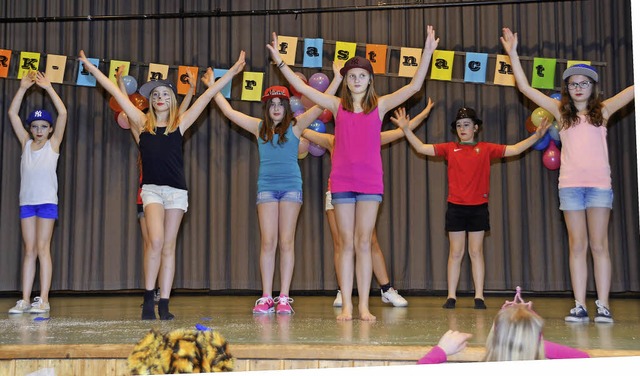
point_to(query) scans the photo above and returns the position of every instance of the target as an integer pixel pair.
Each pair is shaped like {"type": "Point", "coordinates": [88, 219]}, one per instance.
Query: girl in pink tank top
{"type": "Point", "coordinates": [356, 173]}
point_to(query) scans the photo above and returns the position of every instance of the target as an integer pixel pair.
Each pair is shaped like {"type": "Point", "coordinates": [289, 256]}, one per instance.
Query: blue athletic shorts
{"type": "Point", "coordinates": [49, 211]}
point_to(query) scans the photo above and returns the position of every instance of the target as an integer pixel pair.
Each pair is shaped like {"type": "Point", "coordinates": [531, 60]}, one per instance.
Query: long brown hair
{"type": "Point", "coordinates": [152, 120]}
{"type": "Point", "coordinates": [369, 102]}
{"type": "Point", "coordinates": [265, 134]}
{"type": "Point", "coordinates": [569, 112]}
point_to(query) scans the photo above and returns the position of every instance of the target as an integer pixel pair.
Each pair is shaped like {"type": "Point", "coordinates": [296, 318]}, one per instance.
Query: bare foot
{"type": "Point", "coordinates": [346, 314]}
{"type": "Point", "coordinates": [367, 316]}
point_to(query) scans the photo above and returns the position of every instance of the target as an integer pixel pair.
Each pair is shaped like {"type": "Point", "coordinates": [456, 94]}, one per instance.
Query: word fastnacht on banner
{"type": "Point", "coordinates": [476, 64]}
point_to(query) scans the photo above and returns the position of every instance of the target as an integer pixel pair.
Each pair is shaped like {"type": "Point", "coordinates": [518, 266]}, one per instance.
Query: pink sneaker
{"type": "Point", "coordinates": [284, 305]}
{"type": "Point", "coordinates": [264, 305]}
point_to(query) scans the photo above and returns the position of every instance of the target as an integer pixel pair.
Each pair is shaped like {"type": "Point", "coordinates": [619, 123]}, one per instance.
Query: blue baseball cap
{"type": "Point", "coordinates": [40, 115]}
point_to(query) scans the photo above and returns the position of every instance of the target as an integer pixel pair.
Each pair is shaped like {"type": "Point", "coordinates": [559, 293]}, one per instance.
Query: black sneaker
{"type": "Point", "coordinates": [449, 304]}
{"type": "Point", "coordinates": [603, 315]}
{"type": "Point", "coordinates": [577, 314]}
{"type": "Point", "coordinates": [479, 304]}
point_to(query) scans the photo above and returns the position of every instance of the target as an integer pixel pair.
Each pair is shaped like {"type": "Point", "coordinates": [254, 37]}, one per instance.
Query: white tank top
{"type": "Point", "coordinates": [38, 178]}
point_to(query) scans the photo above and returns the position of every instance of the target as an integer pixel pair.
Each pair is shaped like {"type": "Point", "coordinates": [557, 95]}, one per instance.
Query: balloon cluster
{"type": "Point", "coordinates": [141, 103]}
{"type": "Point", "coordinates": [299, 104]}
{"type": "Point", "coordinates": [550, 142]}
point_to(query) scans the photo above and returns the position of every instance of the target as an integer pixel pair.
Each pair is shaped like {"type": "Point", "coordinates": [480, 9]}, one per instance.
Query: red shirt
{"type": "Point", "coordinates": [468, 170]}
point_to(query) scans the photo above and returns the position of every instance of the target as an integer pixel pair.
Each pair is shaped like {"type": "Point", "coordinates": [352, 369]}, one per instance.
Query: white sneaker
{"type": "Point", "coordinates": [392, 296]}
{"type": "Point", "coordinates": [338, 301]}
{"type": "Point", "coordinates": [39, 306]}
{"type": "Point", "coordinates": [21, 307]}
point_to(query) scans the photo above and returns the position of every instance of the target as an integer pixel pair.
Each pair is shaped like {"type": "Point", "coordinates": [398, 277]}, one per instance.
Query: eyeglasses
{"type": "Point", "coordinates": [583, 85]}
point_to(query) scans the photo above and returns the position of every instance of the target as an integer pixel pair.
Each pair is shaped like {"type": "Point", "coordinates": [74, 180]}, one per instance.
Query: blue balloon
{"type": "Point", "coordinates": [556, 95]}
{"type": "Point", "coordinates": [130, 84]}
{"type": "Point", "coordinates": [318, 126]}
{"type": "Point", "coordinates": [296, 104]}
{"type": "Point", "coordinates": [542, 143]}
{"type": "Point", "coordinates": [554, 132]}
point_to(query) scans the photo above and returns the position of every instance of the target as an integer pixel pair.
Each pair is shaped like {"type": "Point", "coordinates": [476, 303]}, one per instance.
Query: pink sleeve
{"type": "Point", "coordinates": [435, 356]}
{"type": "Point", "coordinates": [557, 351]}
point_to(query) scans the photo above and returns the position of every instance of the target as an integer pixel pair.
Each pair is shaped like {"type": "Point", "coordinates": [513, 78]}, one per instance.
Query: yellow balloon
{"type": "Point", "coordinates": [301, 156]}
{"type": "Point", "coordinates": [539, 114]}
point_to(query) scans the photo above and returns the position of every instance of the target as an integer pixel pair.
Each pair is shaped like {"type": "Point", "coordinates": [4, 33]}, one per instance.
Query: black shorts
{"type": "Point", "coordinates": [467, 217]}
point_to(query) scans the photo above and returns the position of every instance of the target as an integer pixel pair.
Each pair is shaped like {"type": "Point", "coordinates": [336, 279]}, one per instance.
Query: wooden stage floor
{"type": "Point", "coordinates": [107, 327]}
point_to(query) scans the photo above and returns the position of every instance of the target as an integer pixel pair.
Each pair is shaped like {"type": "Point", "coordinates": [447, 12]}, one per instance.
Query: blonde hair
{"type": "Point", "coordinates": [516, 335]}
{"type": "Point", "coordinates": [152, 120]}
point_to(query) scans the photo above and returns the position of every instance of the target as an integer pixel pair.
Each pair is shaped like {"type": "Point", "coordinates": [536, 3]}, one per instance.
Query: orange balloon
{"type": "Point", "coordinates": [139, 101]}
{"type": "Point", "coordinates": [531, 128]}
{"type": "Point", "coordinates": [113, 103]}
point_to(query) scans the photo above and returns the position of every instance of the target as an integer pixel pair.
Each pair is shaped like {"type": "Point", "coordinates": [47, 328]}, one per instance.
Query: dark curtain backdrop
{"type": "Point", "coordinates": [97, 244]}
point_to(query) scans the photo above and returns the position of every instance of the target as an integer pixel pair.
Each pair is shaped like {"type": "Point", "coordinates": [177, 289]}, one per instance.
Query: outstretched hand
{"type": "Point", "coordinates": [273, 49]}
{"type": "Point", "coordinates": [28, 79]}
{"type": "Point", "coordinates": [207, 77]}
{"type": "Point", "coordinates": [401, 119]}
{"type": "Point", "coordinates": [509, 40]}
{"type": "Point", "coordinates": [239, 65]}
{"type": "Point", "coordinates": [453, 341]}
{"type": "Point", "coordinates": [543, 127]}
{"type": "Point", "coordinates": [42, 80]}
{"type": "Point", "coordinates": [431, 43]}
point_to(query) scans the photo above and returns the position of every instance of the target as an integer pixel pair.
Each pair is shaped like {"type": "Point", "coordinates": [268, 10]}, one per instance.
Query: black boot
{"type": "Point", "coordinates": [163, 310]}
{"type": "Point", "coordinates": [148, 310]}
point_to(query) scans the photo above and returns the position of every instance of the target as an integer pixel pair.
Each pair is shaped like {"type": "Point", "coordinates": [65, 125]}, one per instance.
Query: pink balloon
{"type": "Point", "coordinates": [123, 120]}
{"type": "Point", "coordinates": [293, 90]}
{"type": "Point", "coordinates": [303, 147]}
{"type": "Point", "coordinates": [306, 102]}
{"type": "Point", "coordinates": [319, 81]}
{"type": "Point", "coordinates": [551, 157]}
{"type": "Point", "coordinates": [326, 116]}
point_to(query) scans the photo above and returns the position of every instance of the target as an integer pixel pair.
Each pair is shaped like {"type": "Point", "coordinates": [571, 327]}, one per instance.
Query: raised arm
{"type": "Point", "coordinates": [387, 137]}
{"type": "Point", "coordinates": [395, 99]}
{"type": "Point", "coordinates": [528, 142]}
{"type": "Point", "coordinates": [16, 123]}
{"type": "Point", "coordinates": [246, 122]}
{"type": "Point", "coordinates": [305, 119]}
{"type": "Point", "coordinates": [510, 43]}
{"type": "Point", "coordinates": [189, 117]}
{"type": "Point", "coordinates": [327, 101]}
{"type": "Point", "coordinates": [402, 122]}
{"type": "Point", "coordinates": [322, 139]}
{"type": "Point", "coordinates": [613, 104]}
{"type": "Point", "coordinates": [186, 101]}
{"type": "Point", "coordinates": [136, 117]}
{"type": "Point", "coordinates": [61, 119]}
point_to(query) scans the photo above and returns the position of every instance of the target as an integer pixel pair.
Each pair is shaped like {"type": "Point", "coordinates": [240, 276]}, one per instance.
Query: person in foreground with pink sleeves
{"type": "Point", "coordinates": [515, 323]}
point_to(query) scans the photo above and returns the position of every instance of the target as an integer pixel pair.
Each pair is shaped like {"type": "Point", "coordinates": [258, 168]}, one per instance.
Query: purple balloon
{"type": "Point", "coordinates": [319, 81]}
{"type": "Point", "coordinates": [296, 104]}
{"type": "Point", "coordinates": [316, 150]}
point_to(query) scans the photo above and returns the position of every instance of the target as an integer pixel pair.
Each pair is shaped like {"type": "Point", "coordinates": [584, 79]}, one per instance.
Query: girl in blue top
{"type": "Point", "coordinates": [279, 183]}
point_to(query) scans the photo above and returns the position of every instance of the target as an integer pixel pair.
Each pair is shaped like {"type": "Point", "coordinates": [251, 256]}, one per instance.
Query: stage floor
{"type": "Point", "coordinates": [78, 320]}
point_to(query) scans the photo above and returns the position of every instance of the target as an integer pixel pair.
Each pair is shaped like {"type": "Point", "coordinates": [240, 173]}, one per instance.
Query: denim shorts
{"type": "Point", "coordinates": [352, 197]}
{"type": "Point", "coordinates": [140, 209]}
{"type": "Point", "coordinates": [277, 196]}
{"type": "Point", "coordinates": [169, 197]}
{"type": "Point", "coordinates": [48, 211]}
{"type": "Point", "coordinates": [581, 198]}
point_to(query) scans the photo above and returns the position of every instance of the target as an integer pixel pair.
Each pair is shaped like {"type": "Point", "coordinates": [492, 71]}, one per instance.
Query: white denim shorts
{"type": "Point", "coordinates": [169, 197]}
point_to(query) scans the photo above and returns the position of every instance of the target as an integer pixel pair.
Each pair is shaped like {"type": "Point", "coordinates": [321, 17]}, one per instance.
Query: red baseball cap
{"type": "Point", "coordinates": [275, 92]}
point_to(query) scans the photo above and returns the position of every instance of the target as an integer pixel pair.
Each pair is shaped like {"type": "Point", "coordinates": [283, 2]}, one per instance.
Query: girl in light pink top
{"type": "Point", "coordinates": [584, 185]}
{"type": "Point", "coordinates": [356, 173]}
